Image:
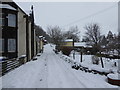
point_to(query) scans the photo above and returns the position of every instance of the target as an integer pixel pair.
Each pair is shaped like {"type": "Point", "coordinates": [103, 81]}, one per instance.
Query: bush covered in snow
{"type": "Point", "coordinates": [95, 60]}
{"type": "Point", "coordinates": [114, 79]}
{"type": "Point", "coordinates": [86, 67]}
{"type": "Point", "coordinates": [66, 50]}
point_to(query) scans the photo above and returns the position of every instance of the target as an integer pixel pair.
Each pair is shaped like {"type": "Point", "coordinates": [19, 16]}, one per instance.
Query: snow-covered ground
{"type": "Point", "coordinates": [51, 71]}
{"type": "Point", "coordinates": [0, 83]}
{"type": "Point", "coordinates": [87, 61]}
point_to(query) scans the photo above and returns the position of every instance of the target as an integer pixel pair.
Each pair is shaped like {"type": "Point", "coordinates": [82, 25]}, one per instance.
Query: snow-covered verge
{"type": "Point", "coordinates": [87, 63]}
{"type": "Point", "coordinates": [115, 76]}
{"type": "Point", "coordinates": [101, 81]}
{"type": "Point", "coordinates": [0, 83]}
{"type": "Point", "coordinates": [1, 58]}
{"type": "Point", "coordinates": [114, 79]}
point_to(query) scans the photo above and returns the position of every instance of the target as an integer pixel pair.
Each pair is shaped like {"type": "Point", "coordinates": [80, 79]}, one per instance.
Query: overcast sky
{"type": "Point", "coordinates": [67, 14]}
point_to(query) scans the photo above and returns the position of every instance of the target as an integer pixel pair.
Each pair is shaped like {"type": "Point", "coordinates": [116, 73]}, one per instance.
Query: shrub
{"type": "Point", "coordinates": [66, 50]}
{"type": "Point", "coordinates": [95, 60]}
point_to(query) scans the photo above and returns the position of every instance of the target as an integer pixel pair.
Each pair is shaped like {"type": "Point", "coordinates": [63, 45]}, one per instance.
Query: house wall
{"type": "Point", "coordinates": [35, 44]}
{"type": "Point", "coordinates": [38, 46]}
{"type": "Point", "coordinates": [68, 44]}
{"type": "Point", "coordinates": [21, 33]}
{"type": "Point", "coordinates": [30, 40]}
{"type": "Point", "coordinates": [41, 44]}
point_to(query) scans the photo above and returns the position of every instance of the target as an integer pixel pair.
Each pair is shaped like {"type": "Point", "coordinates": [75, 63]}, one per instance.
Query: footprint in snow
{"type": "Point", "coordinates": [40, 79]}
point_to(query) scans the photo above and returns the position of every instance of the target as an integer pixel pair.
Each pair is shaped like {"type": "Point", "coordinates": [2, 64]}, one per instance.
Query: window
{"type": "Point", "coordinates": [11, 45]}
{"type": "Point", "coordinates": [2, 20]}
{"type": "Point", "coordinates": [12, 20]}
{"type": "Point", "coordinates": [1, 45]}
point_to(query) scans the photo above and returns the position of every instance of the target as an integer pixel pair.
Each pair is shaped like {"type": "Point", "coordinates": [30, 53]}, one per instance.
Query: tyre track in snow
{"type": "Point", "coordinates": [68, 70]}
{"type": "Point", "coordinates": [61, 76]}
{"type": "Point", "coordinates": [63, 62]}
{"type": "Point", "coordinates": [93, 82]}
{"type": "Point", "coordinates": [56, 79]}
{"type": "Point", "coordinates": [77, 77]}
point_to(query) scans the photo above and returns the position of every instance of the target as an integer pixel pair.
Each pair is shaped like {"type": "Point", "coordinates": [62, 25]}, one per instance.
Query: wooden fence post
{"type": "Point", "coordinates": [101, 60]}
{"type": "Point", "coordinates": [81, 56]}
{"type": "Point", "coordinates": [74, 50]}
{"type": "Point", "coordinates": [81, 53]}
{"type": "Point", "coordinates": [74, 54]}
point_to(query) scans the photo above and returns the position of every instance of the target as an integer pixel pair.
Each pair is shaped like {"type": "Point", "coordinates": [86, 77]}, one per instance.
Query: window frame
{"type": "Point", "coordinates": [2, 44]}
{"type": "Point", "coordinates": [2, 19]}
{"type": "Point", "coordinates": [13, 44]}
{"type": "Point", "coordinates": [13, 24]}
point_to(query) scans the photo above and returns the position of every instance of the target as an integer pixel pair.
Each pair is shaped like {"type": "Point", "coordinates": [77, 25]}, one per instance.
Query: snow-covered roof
{"type": "Point", "coordinates": [6, 0]}
{"type": "Point", "coordinates": [1, 57]}
{"type": "Point", "coordinates": [81, 44]}
{"type": "Point", "coordinates": [7, 6]}
{"type": "Point", "coordinates": [69, 40]}
{"type": "Point", "coordinates": [114, 76]}
{"type": "Point", "coordinates": [40, 36]}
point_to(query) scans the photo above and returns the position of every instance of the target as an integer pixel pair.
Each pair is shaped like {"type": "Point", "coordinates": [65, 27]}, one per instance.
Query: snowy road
{"type": "Point", "coordinates": [50, 71]}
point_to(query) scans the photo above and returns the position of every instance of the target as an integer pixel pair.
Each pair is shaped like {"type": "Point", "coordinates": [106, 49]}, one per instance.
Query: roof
{"type": "Point", "coordinates": [81, 44]}
{"type": "Point", "coordinates": [7, 6]}
{"type": "Point", "coordinates": [6, 0]}
{"type": "Point", "coordinates": [11, 2]}
{"type": "Point", "coordinates": [69, 40]}
{"type": "Point", "coordinates": [40, 36]}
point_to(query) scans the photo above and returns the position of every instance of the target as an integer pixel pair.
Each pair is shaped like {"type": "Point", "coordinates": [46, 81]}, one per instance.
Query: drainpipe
{"type": "Point", "coordinates": [27, 38]}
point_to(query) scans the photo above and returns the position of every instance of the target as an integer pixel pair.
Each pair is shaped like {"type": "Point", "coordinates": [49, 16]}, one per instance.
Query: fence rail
{"type": "Point", "coordinates": [10, 64]}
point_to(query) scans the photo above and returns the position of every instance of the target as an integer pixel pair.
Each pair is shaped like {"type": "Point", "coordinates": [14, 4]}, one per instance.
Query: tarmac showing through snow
{"type": "Point", "coordinates": [51, 71]}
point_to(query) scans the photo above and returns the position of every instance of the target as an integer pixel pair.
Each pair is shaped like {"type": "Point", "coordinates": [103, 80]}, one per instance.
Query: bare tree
{"type": "Point", "coordinates": [104, 41]}
{"type": "Point", "coordinates": [40, 32]}
{"type": "Point", "coordinates": [73, 33]}
{"type": "Point", "coordinates": [117, 43]}
{"type": "Point", "coordinates": [93, 36]}
{"type": "Point", "coordinates": [55, 33]}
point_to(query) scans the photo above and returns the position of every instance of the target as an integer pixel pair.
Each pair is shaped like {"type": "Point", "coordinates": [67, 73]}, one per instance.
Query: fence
{"type": "Point", "coordinates": [10, 64]}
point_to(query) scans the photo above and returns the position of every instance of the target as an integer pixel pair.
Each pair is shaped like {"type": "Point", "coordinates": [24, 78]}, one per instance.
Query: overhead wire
{"type": "Point", "coordinates": [84, 18]}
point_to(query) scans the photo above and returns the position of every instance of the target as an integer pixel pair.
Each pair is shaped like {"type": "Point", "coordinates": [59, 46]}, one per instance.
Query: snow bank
{"type": "Point", "coordinates": [69, 40]}
{"type": "Point", "coordinates": [0, 83]}
{"type": "Point", "coordinates": [22, 56]}
{"type": "Point", "coordinates": [87, 65]}
{"type": "Point", "coordinates": [115, 76]}
{"type": "Point", "coordinates": [1, 58]}
{"type": "Point", "coordinates": [95, 67]}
